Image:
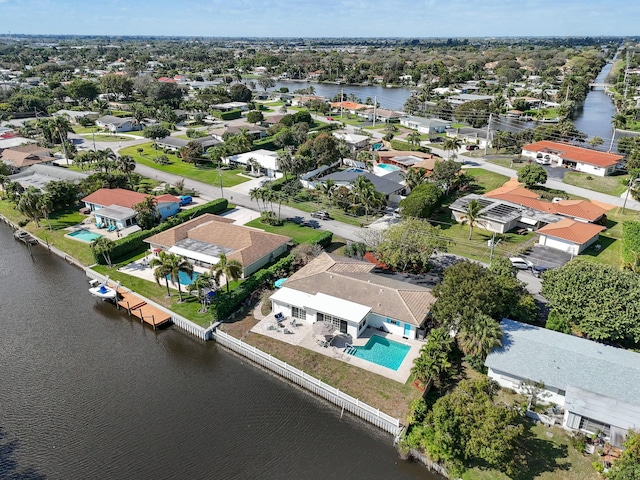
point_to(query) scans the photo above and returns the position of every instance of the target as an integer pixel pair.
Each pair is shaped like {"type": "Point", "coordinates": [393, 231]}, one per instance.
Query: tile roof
{"type": "Point", "coordinates": [576, 154]}
{"type": "Point", "coordinates": [571, 230]}
{"type": "Point", "coordinates": [20, 159]}
{"type": "Point", "coordinates": [352, 280]}
{"type": "Point", "coordinates": [248, 244]}
{"type": "Point", "coordinates": [122, 197]}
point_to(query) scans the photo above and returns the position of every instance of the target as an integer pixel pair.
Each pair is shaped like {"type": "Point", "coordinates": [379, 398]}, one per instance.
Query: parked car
{"type": "Point", "coordinates": [538, 270]}
{"type": "Point", "coordinates": [521, 263]}
{"type": "Point", "coordinates": [321, 215]}
{"type": "Point", "coordinates": [543, 160]}
{"type": "Point", "coordinates": [472, 147]}
{"type": "Point", "coordinates": [185, 200]}
{"type": "Point", "coordinates": [330, 119]}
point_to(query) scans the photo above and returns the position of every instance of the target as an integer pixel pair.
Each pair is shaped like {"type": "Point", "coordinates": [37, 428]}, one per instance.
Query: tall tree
{"type": "Point", "coordinates": [231, 270]}
{"type": "Point", "coordinates": [532, 174]}
{"type": "Point", "coordinates": [471, 215]}
{"type": "Point", "coordinates": [147, 215]}
{"type": "Point", "coordinates": [29, 204]}
{"type": "Point", "coordinates": [451, 144]}
{"type": "Point", "coordinates": [168, 266]}
{"type": "Point", "coordinates": [103, 246]}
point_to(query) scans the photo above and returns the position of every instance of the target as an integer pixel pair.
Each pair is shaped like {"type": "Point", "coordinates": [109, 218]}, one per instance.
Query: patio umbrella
{"type": "Point", "coordinates": [323, 328]}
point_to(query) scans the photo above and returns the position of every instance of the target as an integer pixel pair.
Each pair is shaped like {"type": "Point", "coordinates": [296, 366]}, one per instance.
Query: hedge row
{"type": "Point", "coordinates": [266, 143]}
{"type": "Point", "coordinates": [226, 304]}
{"type": "Point", "coordinates": [322, 238]}
{"type": "Point", "coordinates": [135, 241]}
{"type": "Point", "coordinates": [230, 115]}
{"type": "Point", "coordinates": [630, 241]}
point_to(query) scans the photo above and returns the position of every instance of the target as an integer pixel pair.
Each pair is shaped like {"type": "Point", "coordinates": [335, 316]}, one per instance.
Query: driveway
{"type": "Point", "coordinates": [543, 256]}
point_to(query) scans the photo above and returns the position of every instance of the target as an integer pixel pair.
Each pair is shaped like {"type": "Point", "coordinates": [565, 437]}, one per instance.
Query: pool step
{"type": "Point", "coordinates": [350, 350]}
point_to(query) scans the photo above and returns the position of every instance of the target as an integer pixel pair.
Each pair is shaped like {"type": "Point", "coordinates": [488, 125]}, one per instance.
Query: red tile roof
{"type": "Point", "coordinates": [576, 154]}
{"type": "Point", "coordinates": [122, 197]}
{"type": "Point", "coordinates": [571, 230]}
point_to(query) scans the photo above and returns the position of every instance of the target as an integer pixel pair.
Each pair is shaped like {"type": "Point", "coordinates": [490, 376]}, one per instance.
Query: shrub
{"type": "Point", "coordinates": [630, 241]}
{"type": "Point", "coordinates": [557, 323]}
{"type": "Point", "coordinates": [323, 239]}
{"type": "Point", "coordinates": [135, 241]}
{"type": "Point", "coordinates": [230, 115]}
{"type": "Point", "coordinates": [226, 304]}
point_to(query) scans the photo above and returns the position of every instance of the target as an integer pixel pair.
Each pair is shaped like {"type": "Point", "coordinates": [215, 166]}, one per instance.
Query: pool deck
{"type": "Point", "coordinates": [140, 268]}
{"type": "Point", "coordinates": [302, 336]}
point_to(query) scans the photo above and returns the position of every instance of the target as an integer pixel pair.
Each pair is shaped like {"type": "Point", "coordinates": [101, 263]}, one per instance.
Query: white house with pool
{"type": "Point", "coordinates": [349, 294]}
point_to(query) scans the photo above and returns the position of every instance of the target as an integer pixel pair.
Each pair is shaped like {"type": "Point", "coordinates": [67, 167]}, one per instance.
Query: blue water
{"type": "Point", "coordinates": [384, 352]}
{"type": "Point", "coordinates": [385, 166]}
{"type": "Point", "coordinates": [85, 235]}
{"type": "Point", "coordinates": [185, 279]}
{"type": "Point", "coordinates": [355, 170]}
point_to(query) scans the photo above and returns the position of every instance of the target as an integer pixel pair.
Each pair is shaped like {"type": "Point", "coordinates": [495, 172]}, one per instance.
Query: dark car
{"type": "Point", "coordinates": [472, 147]}
{"type": "Point", "coordinates": [321, 214]}
{"type": "Point", "coordinates": [538, 270]}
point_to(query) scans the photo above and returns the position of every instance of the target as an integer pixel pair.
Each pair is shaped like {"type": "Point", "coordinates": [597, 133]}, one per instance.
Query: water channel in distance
{"type": "Point", "coordinates": [86, 392]}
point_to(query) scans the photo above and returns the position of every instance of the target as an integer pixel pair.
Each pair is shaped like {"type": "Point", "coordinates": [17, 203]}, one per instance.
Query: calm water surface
{"type": "Point", "coordinates": [86, 393]}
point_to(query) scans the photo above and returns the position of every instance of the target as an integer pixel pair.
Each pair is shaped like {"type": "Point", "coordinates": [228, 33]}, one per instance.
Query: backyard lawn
{"type": "Point", "coordinates": [206, 174]}
{"type": "Point", "coordinates": [614, 185]}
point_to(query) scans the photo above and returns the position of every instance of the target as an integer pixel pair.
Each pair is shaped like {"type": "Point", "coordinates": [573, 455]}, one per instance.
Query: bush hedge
{"type": "Point", "coordinates": [406, 146]}
{"type": "Point", "coordinates": [226, 304]}
{"type": "Point", "coordinates": [230, 115]}
{"type": "Point", "coordinates": [630, 241]}
{"type": "Point", "coordinates": [266, 143]}
{"type": "Point", "coordinates": [322, 238]}
{"type": "Point", "coordinates": [135, 241]}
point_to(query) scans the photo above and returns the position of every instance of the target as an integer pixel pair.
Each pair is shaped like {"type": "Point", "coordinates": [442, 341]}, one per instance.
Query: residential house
{"type": "Point", "coordinates": [474, 136]}
{"type": "Point", "coordinates": [349, 107]}
{"type": "Point", "coordinates": [380, 115]}
{"type": "Point", "coordinates": [40, 175]}
{"type": "Point", "coordinates": [392, 190]}
{"type": "Point", "coordinates": [74, 116]}
{"type": "Point", "coordinates": [569, 235]}
{"type": "Point", "coordinates": [20, 157]}
{"type": "Point", "coordinates": [462, 98]}
{"type": "Point", "coordinates": [228, 106]}
{"type": "Point", "coordinates": [117, 124]}
{"type": "Point", "coordinates": [303, 100]}
{"type": "Point", "coordinates": [581, 159]}
{"type": "Point", "coordinates": [175, 143]}
{"type": "Point", "coordinates": [255, 132]}
{"type": "Point", "coordinates": [430, 126]}
{"type": "Point", "coordinates": [406, 159]}
{"type": "Point", "coordinates": [204, 238]}
{"type": "Point", "coordinates": [350, 295]}
{"type": "Point", "coordinates": [354, 141]}
{"type": "Point", "coordinates": [266, 159]}
{"type": "Point", "coordinates": [597, 386]}
{"type": "Point", "coordinates": [565, 225]}
{"type": "Point", "coordinates": [114, 206]}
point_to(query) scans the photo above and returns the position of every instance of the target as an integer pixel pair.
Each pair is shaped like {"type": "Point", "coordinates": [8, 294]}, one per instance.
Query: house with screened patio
{"type": "Point", "coordinates": [353, 296]}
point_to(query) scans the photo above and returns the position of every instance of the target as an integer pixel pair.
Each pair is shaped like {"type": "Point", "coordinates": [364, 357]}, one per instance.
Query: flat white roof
{"type": "Point", "coordinates": [202, 257]}
{"type": "Point", "coordinates": [337, 307]}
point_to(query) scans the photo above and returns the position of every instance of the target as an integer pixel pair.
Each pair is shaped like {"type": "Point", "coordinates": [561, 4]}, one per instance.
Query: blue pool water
{"type": "Point", "coordinates": [85, 235]}
{"type": "Point", "coordinates": [382, 351]}
{"type": "Point", "coordinates": [185, 279]}
{"type": "Point", "coordinates": [386, 166]}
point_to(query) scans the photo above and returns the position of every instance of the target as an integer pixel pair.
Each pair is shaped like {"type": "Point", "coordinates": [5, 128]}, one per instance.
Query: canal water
{"type": "Point", "coordinates": [85, 392]}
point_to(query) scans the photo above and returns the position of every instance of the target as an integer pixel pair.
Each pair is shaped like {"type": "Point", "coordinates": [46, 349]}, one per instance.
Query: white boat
{"type": "Point", "coordinates": [102, 291]}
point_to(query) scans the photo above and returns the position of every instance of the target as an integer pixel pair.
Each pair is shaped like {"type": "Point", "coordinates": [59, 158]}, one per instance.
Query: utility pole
{"type": "Point", "coordinates": [341, 102]}
{"type": "Point", "coordinates": [486, 142]}
{"type": "Point", "coordinates": [613, 137]}
{"type": "Point", "coordinates": [375, 103]}
{"type": "Point", "coordinates": [626, 197]}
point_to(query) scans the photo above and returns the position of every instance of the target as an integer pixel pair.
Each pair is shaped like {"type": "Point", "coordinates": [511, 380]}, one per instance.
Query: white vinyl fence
{"type": "Point", "coordinates": [318, 387]}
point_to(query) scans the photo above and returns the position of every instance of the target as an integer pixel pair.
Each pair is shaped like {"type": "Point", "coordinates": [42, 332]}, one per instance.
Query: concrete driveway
{"type": "Point", "coordinates": [547, 257]}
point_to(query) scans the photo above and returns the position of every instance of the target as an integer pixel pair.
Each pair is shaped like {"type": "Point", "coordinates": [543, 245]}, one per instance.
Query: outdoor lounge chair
{"type": "Point", "coordinates": [279, 317]}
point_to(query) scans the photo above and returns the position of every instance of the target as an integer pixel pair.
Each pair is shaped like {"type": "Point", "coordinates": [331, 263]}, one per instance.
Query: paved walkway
{"type": "Point", "coordinates": [302, 336]}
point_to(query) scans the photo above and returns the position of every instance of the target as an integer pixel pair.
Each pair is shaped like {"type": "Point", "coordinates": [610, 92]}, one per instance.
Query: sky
{"type": "Point", "coordinates": [322, 18]}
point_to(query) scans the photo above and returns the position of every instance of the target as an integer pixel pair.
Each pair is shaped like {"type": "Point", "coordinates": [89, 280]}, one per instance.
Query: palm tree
{"type": "Point", "coordinates": [61, 127]}
{"type": "Point", "coordinates": [168, 266]}
{"type": "Point", "coordinates": [201, 284]}
{"type": "Point", "coordinates": [478, 336]}
{"type": "Point", "coordinates": [230, 269]}
{"type": "Point", "coordinates": [414, 177]}
{"type": "Point", "coordinates": [366, 196]}
{"type": "Point", "coordinates": [46, 207]}
{"type": "Point", "coordinates": [103, 246]}
{"type": "Point", "coordinates": [327, 188]}
{"type": "Point", "coordinates": [619, 120]}
{"type": "Point", "coordinates": [451, 144]}
{"type": "Point", "coordinates": [126, 163]}
{"type": "Point", "coordinates": [414, 139]}
{"type": "Point", "coordinates": [29, 204]}
{"type": "Point", "coordinates": [471, 216]}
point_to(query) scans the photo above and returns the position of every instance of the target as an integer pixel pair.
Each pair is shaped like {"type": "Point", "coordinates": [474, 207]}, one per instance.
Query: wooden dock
{"type": "Point", "coordinates": [142, 310]}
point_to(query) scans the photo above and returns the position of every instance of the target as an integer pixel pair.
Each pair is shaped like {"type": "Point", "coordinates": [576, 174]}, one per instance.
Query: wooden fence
{"type": "Point", "coordinates": [312, 384]}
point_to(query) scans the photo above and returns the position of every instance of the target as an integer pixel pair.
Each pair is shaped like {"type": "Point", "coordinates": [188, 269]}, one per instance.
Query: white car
{"type": "Point", "coordinates": [520, 263]}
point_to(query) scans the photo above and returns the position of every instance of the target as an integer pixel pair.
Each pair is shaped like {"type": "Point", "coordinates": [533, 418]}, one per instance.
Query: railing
{"type": "Point", "coordinates": [318, 387]}
{"type": "Point", "coordinates": [178, 320]}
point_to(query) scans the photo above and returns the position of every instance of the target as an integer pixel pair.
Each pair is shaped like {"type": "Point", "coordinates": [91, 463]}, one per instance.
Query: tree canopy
{"type": "Point", "coordinates": [468, 290]}
{"type": "Point", "coordinates": [605, 306]}
{"type": "Point", "coordinates": [407, 246]}
{"type": "Point", "coordinates": [422, 201]}
{"type": "Point", "coordinates": [532, 174]}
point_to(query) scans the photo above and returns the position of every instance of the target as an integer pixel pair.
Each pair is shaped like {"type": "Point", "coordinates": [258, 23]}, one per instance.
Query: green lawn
{"type": "Point", "coordinates": [612, 185]}
{"type": "Point", "coordinates": [106, 137]}
{"type": "Point", "coordinates": [176, 166]}
{"type": "Point", "coordinates": [610, 252]}
{"type": "Point", "coordinates": [486, 180]}
{"type": "Point", "coordinates": [508, 163]}
{"type": "Point", "coordinates": [299, 233]}
{"type": "Point", "coordinates": [56, 236]}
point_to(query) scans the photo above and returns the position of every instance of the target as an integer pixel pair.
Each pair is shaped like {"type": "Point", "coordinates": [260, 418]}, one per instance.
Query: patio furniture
{"type": "Point", "coordinates": [279, 317]}
{"type": "Point", "coordinates": [271, 327]}
{"type": "Point", "coordinates": [287, 331]}
{"type": "Point", "coordinates": [293, 322]}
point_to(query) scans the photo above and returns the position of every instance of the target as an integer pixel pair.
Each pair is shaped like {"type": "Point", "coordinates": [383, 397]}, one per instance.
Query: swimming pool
{"type": "Point", "coordinates": [387, 167]}
{"type": "Point", "coordinates": [85, 235]}
{"type": "Point", "coordinates": [185, 279]}
{"type": "Point", "coordinates": [382, 351]}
